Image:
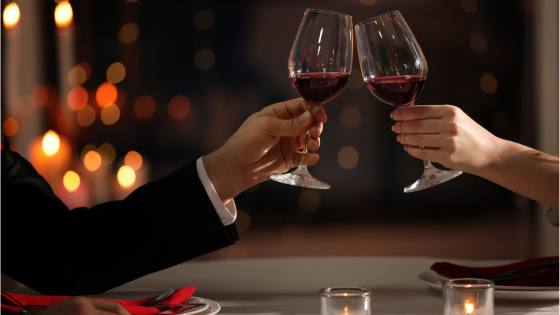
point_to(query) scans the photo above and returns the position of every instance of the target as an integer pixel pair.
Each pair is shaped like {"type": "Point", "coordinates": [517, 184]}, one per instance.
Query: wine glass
{"type": "Point", "coordinates": [394, 69]}
{"type": "Point", "coordinates": [319, 66]}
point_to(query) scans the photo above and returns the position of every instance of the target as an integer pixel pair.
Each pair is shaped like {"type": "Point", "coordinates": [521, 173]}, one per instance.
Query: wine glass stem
{"type": "Point", "coordinates": [427, 164]}
{"type": "Point", "coordinates": [303, 161]}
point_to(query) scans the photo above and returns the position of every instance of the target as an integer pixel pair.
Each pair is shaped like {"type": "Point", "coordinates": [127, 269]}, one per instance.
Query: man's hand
{"type": "Point", "coordinates": [86, 306]}
{"type": "Point", "coordinates": [265, 144]}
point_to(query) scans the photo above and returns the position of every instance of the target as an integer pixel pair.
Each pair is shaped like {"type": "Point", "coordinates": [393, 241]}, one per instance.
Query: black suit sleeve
{"type": "Point", "coordinates": [55, 250]}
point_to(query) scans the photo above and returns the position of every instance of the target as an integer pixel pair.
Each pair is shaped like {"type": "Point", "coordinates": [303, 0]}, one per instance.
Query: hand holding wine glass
{"type": "Point", "coordinates": [394, 69]}
{"type": "Point", "coordinates": [319, 66]}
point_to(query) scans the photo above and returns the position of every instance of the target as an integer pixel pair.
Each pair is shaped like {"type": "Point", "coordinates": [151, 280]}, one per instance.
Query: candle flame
{"type": "Point", "coordinates": [51, 143]}
{"type": "Point", "coordinates": [11, 15]}
{"type": "Point", "coordinates": [469, 308]}
{"type": "Point", "coordinates": [63, 14]}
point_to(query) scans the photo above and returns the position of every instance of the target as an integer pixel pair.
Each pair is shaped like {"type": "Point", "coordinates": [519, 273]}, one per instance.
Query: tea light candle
{"type": "Point", "coordinates": [345, 301]}
{"type": "Point", "coordinates": [468, 296]}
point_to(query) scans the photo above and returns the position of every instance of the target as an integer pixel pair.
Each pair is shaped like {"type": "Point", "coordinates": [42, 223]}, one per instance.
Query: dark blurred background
{"type": "Point", "coordinates": [185, 74]}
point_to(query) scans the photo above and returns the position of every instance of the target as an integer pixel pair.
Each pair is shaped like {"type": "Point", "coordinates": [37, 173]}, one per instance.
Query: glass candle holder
{"type": "Point", "coordinates": [468, 296]}
{"type": "Point", "coordinates": [345, 301]}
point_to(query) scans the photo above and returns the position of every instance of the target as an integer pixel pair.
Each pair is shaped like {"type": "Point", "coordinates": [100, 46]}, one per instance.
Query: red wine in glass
{"type": "Point", "coordinates": [394, 69]}
{"type": "Point", "coordinates": [319, 66]}
{"type": "Point", "coordinates": [319, 87]}
{"type": "Point", "coordinates": [396, 90]}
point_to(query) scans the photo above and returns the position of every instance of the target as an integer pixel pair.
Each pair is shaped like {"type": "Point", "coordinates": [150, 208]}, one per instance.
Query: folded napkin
{"type": "Point", "coordinates": [539, 272]}
{"type": "Point", "coordinates": [16, 302]}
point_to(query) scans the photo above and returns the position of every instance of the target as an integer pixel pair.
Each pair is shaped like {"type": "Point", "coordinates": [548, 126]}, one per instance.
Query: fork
{"type": "Point", "coordinates": [160, 298]}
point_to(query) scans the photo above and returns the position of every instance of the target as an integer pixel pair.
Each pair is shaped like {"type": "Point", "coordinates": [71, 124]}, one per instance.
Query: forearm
{"type": "Point", "coordinates": [524, 170]}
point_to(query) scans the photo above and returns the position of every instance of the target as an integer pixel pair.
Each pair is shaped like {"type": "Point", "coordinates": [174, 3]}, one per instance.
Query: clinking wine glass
{"type": "Point", "coordinates": [394, 70]}
{"type": "Point", "coordinates": [319, 66]}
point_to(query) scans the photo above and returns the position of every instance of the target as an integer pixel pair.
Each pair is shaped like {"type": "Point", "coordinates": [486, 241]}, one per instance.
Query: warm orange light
{"type": "Point", "coordinates": [92, 161]}
{"type": "Point", "coordinates": [134, 160]}
{"type": "Point", "coordinates": [126, 176]}
{"type": "Point", "coordinates": [86, 116]}
{"type": "Point", "coordinates": [106, 94]}
{"type": "Point", "coordinates": [179, 107]}
{"type": "Point", "coordinates": [11, 15]}
{"type": "Point", "coordinates": [77, 98]}
{"type": "Point", "coordinates": [128, 33]}
{"type": "Point", "coordinates": [116, 72]}
{"type": "Point", "coordinates": [10, 127]}
{"type": "Point", "coordinates": [51, 143]}
{"type": "Point", "coordinates": [469, 308]}
{"type": "Point", "coordinates": [77, 75]}
{"type": "Point", "coordinates": [63, 14]}
{"type": "Point", "coordinates": [110, 114]}
{"type": "Point", "coordinates": [71, 181]}
{"type": "Point", "coordinates": [144, 107]}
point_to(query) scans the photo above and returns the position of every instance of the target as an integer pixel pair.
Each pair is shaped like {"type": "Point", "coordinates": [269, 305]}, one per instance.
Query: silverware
{"type": "Point", "coordinates": [160, 298]}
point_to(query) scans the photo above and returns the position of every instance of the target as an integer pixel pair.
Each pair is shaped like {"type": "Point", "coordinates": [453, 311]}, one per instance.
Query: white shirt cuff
{"type": "Point", "coordinates": [227, 211]}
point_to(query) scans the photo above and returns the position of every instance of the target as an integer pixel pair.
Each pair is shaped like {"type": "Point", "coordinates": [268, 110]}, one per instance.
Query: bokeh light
{"type": "Point", "coordinates": [350, 116]}
{"type": "Point", "coordinates": [204, 59]}
{"type": "Point", "coordinates": [39, 95]}
{"type": "Point", "coordinates": [134, 160]}
{"type": "Point", "coordinates": [144, 107]}
{"type": "Point", "coordinates": [77, 98]}
{"type": "Point", "coordinates": [128, 33]}
{"type": "Point", "coordinates": [488, 83]}
{"type": "Point", "coordinates": [86, 116]}
{"type": "Point", "coordinates": [11, 15]}
{"type": "Point", "coordinates": [348, 157]}
{"type": "Point", "coordinates": [50, 143]}
{"type": "Point", "coordinates": [71, 181]}
{"type": "Point", "coordinates": [179, 107]}
{"type": "Point", "coordinates": [107, 152]}
{"type": "Point", "coordinates": [309, 200]}
{"type": "Point", "coordinates": [77, 75]}
{"type": "Point", "coordinates": [126, 176]}
{"type": "Point", "coordinates": [63, 14]}
{"type": "Point", "coordinates": [106, 94]}
{"type": "Point", "coordinates": [203, 19]}
{"type": "Point", "coordinates": [116, 72]}
{"type": "Point", "coordinates": [10, 127]}
{"type": "Point", "coordinates": [92, 161]}
{"type": "Point", "coordinates": [110, 114]}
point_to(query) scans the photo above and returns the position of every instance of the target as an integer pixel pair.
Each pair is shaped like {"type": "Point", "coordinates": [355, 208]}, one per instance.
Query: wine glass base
{"type": "Point", "coordinates": [300, 177]}
{"type": "Point", "coordinates": [430, 178]}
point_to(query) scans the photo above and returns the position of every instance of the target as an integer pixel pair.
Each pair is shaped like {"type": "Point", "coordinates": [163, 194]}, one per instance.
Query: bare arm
{"type": "Point", "coordinates": [445, 134]}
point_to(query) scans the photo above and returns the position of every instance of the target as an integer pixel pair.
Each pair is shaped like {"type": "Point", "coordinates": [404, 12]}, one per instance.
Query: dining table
{"type": "Point", "coordinates": [291, 285]}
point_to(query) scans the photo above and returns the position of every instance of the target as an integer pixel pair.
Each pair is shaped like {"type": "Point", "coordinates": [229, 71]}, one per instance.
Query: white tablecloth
{"type": "Point", "coordinates": [291, 285]}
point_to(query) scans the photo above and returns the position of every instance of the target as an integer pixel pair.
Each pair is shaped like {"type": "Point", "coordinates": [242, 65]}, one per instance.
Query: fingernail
{"type": "Point", "coordinates": [394, 128]}
{"type": "Point", "coordinates": [303, 118]}
{"type": "Point", "coordinates": [392, 115]}
{"type": "Point", "coordinates": [399, 138]}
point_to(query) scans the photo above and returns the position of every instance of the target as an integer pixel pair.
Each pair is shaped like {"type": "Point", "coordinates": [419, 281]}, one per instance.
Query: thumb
{"type": "Point", "coordinates": [290, 127]}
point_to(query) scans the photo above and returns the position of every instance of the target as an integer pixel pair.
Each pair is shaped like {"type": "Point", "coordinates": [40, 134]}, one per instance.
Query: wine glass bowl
{"type": "Point", "coordinates": [319, 66]}
{"type": "Point", "coordinates": [394, 69]}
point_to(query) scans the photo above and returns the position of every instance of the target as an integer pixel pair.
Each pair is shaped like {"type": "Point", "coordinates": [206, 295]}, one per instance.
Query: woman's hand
{"type": "Point", "coordinates": [265, 144]}
{"type": "Point", "coordinates": [85, 306]}
{"type": "Point", "coordinates": [446, 135]}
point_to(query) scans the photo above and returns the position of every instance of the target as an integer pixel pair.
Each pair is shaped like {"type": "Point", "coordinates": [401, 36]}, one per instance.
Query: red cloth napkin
{"type": "Point", "coordinates": [539, 272]}
{"type": "Point", "coordinates": [16, 302]}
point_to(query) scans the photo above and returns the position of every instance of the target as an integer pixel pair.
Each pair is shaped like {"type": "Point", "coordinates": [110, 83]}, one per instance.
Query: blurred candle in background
{"type": "Point", "coordinates": [63, 18]}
